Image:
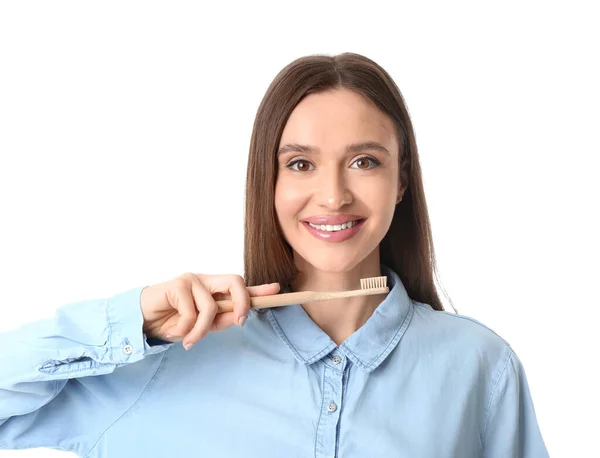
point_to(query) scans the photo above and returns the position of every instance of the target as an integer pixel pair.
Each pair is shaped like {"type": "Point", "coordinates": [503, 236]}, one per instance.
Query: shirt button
{"type": "Point", "coordinates": [336, 359]}
{"type": "Point", "coordinates": [332, 407]}
{"type": "Point", "coordinates": [128, 349]}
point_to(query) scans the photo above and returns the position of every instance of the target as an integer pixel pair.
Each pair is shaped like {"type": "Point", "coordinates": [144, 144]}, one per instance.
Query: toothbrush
{"type": "Point", "coordinates": [368, 286]}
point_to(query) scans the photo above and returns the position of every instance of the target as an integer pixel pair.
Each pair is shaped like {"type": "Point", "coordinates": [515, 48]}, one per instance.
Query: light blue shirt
{"type": "Point", "coordinates": [411, 382]}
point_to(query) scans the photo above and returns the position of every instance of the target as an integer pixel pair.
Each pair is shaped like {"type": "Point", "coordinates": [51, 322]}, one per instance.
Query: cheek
{"type": "Point", "coordinates": [289, 200]}
{"type": "Point", "coordinates": [377, 195]}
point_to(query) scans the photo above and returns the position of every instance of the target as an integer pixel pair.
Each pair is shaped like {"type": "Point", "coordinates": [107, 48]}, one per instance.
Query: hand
{"type": "Point", "coordinates": [184, 309]}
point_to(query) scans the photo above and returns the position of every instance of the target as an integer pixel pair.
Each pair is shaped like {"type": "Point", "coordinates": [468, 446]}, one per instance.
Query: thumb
{"type": "Point", "coordinates": [264, 290]}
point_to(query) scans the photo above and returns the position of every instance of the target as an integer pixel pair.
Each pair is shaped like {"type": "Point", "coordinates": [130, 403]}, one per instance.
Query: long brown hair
{"type": "Point", "coordinates": [407, 248]}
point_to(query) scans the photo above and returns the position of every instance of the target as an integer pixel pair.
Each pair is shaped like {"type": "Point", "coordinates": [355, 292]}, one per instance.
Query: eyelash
{"type": "Point", "coordinates": [372, 159]}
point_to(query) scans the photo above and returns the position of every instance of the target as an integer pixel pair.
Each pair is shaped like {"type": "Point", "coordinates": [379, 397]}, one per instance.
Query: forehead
{"type": "Point", "coordinates": [335, 118]}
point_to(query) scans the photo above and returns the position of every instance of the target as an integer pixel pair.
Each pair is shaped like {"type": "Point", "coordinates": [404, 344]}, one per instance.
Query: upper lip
{"type": "Point", "coordinates": [331, 219]}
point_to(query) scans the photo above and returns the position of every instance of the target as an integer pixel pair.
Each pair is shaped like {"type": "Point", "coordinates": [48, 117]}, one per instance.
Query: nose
{"type": "Point", "coordinates": [333, 190]}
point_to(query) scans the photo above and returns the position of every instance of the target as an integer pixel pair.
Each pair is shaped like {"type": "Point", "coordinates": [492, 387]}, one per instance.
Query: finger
{"type": "Point", "coordinates": [182, 300]}
{"type": "Point", "coordinates": [222, 321]}
{"type": "Point", "coordinates": [261, 290]}
{"type": "Point", "coordinates": [264, 290]}
{"type": "Point", "coordinates": [241, 299]}
{"type": "Point", "coordinates": [236, 287]}
{"type": "Point", "coordinates": [219, 287]}
{"type": "Point", "coordinates": [240, 294]}
{"type": "Point", "coordinates": [258, 290]}
{"type": "Point", "coordinates": [207, 309]}
{"type": "Point", "coordinates": [172, 338]}
{"type": "Point", "coordinates": [225, 319]}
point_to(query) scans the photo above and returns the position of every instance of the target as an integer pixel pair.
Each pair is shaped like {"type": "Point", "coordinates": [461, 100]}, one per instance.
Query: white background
{"type": "Point", "coordinates": [124, 134]}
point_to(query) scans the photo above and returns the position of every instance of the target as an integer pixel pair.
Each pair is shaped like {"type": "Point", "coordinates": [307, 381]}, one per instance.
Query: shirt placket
{"type": "Point", "coordinates": [331, 405]}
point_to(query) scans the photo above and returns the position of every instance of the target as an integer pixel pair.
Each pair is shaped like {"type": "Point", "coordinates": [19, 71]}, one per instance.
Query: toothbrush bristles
{"type": "Point", "coordinates": [373, 282]}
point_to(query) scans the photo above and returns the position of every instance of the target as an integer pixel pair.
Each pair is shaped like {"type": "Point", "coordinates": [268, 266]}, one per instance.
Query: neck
{"type": "Point", "coordinates": [339, 318]}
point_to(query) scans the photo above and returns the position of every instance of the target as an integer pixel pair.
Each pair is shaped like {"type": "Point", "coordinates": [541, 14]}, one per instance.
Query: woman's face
{"type": "Point", "coordinates": [324, 179]}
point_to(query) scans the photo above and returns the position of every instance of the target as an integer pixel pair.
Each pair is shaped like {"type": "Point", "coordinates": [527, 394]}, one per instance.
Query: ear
{"type": "Point", "coordinates": [400, 195]}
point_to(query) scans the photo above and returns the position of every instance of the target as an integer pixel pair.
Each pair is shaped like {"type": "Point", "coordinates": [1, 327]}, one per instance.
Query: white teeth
{"type": "Point", "coordinates": [334, 228]}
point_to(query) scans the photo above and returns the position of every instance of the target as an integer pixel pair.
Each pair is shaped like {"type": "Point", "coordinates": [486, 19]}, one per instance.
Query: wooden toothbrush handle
{"type": "Point", "coordinates": [260, 302]}
{"type": "Point", "coordinates": [300, 297]}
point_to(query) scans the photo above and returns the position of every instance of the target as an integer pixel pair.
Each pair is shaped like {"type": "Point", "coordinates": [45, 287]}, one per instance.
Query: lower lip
{"type": "Point", "coordinates": [337, 236]}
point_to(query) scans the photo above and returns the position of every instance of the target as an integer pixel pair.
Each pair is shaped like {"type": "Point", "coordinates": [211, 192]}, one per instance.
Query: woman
{"type": "Point", "coordinates": [334, 194]}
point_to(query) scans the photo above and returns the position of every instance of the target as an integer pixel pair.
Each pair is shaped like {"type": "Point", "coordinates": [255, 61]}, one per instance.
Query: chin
{"type": "Point", "coordinates": [332, 266]}
{"type": "Point", "coordinates": [325, 262]}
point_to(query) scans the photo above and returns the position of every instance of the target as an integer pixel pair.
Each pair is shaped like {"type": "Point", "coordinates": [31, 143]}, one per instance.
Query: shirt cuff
{"type": "Point", "coordinates": [127, 342]}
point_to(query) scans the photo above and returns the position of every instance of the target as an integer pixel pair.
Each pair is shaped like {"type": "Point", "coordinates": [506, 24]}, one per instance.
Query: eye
{"type": "Point", "coordinates": [365, 159]}
{"type": "Point", "coordinates": [293, 163]}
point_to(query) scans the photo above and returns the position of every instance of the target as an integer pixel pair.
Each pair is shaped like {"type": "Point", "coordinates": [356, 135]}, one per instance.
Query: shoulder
{"type": "Point", "coordinates": [459, 336]}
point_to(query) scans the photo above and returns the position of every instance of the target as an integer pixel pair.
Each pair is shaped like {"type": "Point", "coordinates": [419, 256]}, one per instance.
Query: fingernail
{"type": "Point", "coordinates": [242, 320]}
{"type": "Point", "coordinates": [276, 283]}
{"type": "Point", "coordinates": [187, 346]}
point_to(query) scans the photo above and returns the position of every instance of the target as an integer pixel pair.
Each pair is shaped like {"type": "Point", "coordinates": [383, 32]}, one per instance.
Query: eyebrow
{"type": "Point", "coordinates": [354, 148]}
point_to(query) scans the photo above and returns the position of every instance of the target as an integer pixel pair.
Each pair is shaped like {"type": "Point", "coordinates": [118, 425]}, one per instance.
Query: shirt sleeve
{"type": "Point", "coordinates": [64, 379]}
{"type": "Point", "coordinates": [512, 429]}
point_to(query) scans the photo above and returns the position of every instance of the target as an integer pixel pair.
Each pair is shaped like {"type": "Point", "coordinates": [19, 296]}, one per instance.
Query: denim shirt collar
{"type": "Point", "coordinates": [367, 347]}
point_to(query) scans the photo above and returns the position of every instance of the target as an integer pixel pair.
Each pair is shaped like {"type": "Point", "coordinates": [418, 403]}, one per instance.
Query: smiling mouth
{"type": "Point", "coordinates": [335, 233]}
{"type": "Point", "coordinates": [334, 227]}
